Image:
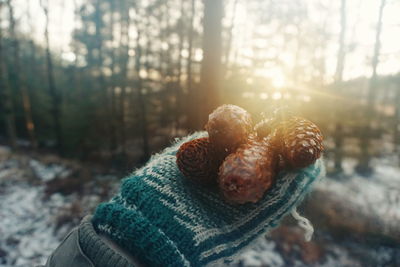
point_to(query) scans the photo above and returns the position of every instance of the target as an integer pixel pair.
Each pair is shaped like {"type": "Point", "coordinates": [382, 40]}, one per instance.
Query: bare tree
{"type": "Point", "coordinates": [54, 94]}
{"type": "Point", "coordinates": [210, 75]}
{"type": "Point", "coordinates": [178, 86]}
{"type": "Point", "coordinates": [338, 131]}
{"type": "Point", "coordinates": [363, 166]}
{"type": "Point", "coordinates": [124, 59]}
{"type": "Point", "coordinates": [76, 75]}
{"type": "Point", "coordinates": [396, 123]}
{"type": "Point", "coordinates": [165, 66]}
{"type": "Point", "coordinates": [189, 71]}
{"type": "Point", "coordinates": [99, 54]}
{"type": "Point", "coordinates": [20, 78]}
{"type": "Point", "coordinates": [5, 95]}
{"type": "Point", "coordinates": [230, 34]}
{"type": "Point", "coordinates": [190, 46]}
{"type": "Point", "coordinates": [342, 48]}
{"type": "Point", "coordinates": [113, 100]}
{"type": "Point", "coordinates": [141, 99]}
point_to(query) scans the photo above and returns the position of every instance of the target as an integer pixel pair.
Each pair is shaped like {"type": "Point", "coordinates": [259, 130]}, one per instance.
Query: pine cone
{"type": "Point", "coordinates": [247, 174]}
{"type": "Point", "coordinates": [266, 127]}
{"type": "Point", "coordinates": [282, 164]}
{"type": "Point", "coordinates": [301, 142]}
{"type": "Point", "coordinates": [198, 161]}
{"type": "Point", "coordinates": [228, 127]}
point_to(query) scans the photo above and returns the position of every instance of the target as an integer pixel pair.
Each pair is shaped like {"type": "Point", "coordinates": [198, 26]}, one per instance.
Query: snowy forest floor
{"type": "Point", "coordinates": [356, 219]}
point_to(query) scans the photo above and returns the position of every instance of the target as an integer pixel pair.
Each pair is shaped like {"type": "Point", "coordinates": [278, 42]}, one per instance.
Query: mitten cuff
{"type": "Point", "coordinates": [131, 230]}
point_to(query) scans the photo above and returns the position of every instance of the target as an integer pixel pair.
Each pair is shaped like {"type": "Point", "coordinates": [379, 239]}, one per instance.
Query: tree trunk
{"type": "Point", "coordinates": [113, 122]}
{"type": "Point", "coordinates": [342, 49]}
{"type": "Point", "coordinates": [165, 66]}
{"type": "Point", "coordinates": [5, 96]}
{"type": "Point", "coordinates": [363, 166]}
{"type": "Point", "coordinates": [210, 76]}
{"type": "Point", "coordinates": [124, 59]}
{"type": "Point", "coordinates": [20, 79]}
{"type": "Point", "coordinates": [76, 75]}
{"type": "Point", "coordinates": [141, 101]}
{"type": "Point", "coordinates": [178, 86]}
{"type": "Point", "coordinates": [396, 123]}
{"type": "Point", "coordinates": [190, 124]}
{"type": "Point", "coordinates": [299, 46]}
{"type": "Point", "coordinates": [229, 38]}
{"type": "Point", "coordinates": [54, 95]}
{"type": "Point", "coordinates": [338, 131]}
{"type": "Point", "coordinates": [101, 83]}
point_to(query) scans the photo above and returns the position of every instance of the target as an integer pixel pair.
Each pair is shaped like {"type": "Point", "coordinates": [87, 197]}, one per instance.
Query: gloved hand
{"type": "Point", "coordinates": [164, 220]}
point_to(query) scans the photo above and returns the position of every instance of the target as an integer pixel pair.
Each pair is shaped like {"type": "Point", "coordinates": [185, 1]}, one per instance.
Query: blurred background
{"type": "Point", "coordinates": [89, 89]}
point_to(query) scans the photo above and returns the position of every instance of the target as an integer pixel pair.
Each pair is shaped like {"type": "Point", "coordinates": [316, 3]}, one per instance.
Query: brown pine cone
{"type": "Point", "coordinates": [247, 174]}
{"type": "Point", "coordinates": [301, 142]}
{"type": "Point", "coordinates": [198, 161]}
{"type": "Point", "coordinates": [228, 127]}
{"type": "Point", "coordinates": [269, 127]}
{"type": "Point", "coordinates": [266, 127]}
{"type": "Point", "coordinates": [282, 164]}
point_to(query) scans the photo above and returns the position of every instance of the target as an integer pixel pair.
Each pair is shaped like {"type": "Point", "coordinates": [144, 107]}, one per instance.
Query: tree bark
{"type": "Point", "coordinates": [113, 122]}
{"type": "Point", "coordinates": [363, 166]}
{"type": "Point", "coordinates": [54, 94]}
{"type": "Point", "coordinates": [178, 86]}
{"type": "Point", "coordinates": [342, 49]}
{"type": "Point", "coordinates": [190, 124]}
{"type": "Point", "coordinates": [165, 65]}
{"type": "Point", "coordinates": [124, 59]}
{"type": "Point", "coordinates": [208, 94]}
{"type": "Point", "coordinates": [20, 79]}
{"type": "Point", "coordinates": [141, 100]}
{"type": "Point", "coordinates": [5, 96]}
{"type": "Point", "coordinates": [76, 75]}
{"type": "Point", "coordinates": [338, 131]}
{"type": "Point", "coordinates": [230, 34]}
{"type": "Point", "coordinates": [101, 83]}
{"type": "Point", "coordinates": [396, 123]}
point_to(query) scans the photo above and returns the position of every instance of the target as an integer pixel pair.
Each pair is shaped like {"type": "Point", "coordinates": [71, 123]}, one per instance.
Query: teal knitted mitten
{"type": "Point", "coordinates": [164, 220]}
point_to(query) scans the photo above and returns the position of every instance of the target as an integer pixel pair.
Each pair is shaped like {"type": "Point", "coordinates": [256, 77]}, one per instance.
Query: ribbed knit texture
{"type": "Point", "coordinates": [165, 220]}
{"type": "Point", "coordinates": [96, 250]}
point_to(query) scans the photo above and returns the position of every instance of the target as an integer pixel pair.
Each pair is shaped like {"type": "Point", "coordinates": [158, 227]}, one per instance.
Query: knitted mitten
{"type": "Point", "coordinates": [164, 220]}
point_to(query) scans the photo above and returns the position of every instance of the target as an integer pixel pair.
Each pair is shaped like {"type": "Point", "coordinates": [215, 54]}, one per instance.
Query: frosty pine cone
{"type": "Point", "coordinates": [247, 174]}
{"type": "Point", "coordinates": [228, 127]}
{"type": "Point", "coordinates": [198, 161]}
{"type": "Point", "coordinates": [301, 142]}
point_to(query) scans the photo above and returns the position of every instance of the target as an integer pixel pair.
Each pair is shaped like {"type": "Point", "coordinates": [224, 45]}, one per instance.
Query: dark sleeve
{"type": "Point", "coordinates": [82, 247]}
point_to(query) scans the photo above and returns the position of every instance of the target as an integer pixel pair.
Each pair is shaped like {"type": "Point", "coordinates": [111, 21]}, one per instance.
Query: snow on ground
{"type": "Point", "coordinates": [49, 172]}
{"type": "Point", "coordinates": [378, 195]}
{"type": "Point", "coordinates": [262, 254]}
{"type": "Point", "coordinates": [29, 232]}
{"type": "Point", "coordinates": [27, 225]}
{"type": "Point", "coordinates": [32, 222]}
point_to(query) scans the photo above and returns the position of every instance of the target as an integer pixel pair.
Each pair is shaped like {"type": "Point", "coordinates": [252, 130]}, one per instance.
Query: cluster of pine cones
{"type": "Point", "coordinates": [244, 160]}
